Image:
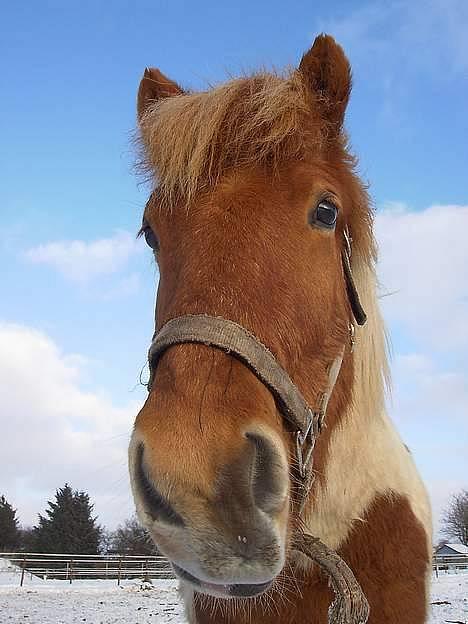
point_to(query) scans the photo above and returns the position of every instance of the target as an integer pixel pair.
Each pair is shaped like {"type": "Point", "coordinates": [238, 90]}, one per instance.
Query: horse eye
{"type": "Point", "coordinates": [325, 214]}
{"type": "Point", "coordinates": [150, 238]}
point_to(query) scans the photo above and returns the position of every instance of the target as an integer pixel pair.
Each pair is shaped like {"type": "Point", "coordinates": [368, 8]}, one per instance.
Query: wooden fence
{"type": "Point", "coordinates": [119, 567]}
{"type": "Point", "coordinates": [449, 564]}
{"type": "Point", "coordinates": [73, 567]}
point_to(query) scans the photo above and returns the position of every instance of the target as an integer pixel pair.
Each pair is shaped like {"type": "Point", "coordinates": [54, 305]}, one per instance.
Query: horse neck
{"type": "Point", "coordinates": [365, 456]}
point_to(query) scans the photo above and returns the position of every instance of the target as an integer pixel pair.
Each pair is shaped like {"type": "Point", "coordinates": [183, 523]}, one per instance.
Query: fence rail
{"type": "Point", "coordinates": [449, 563]}
{"type": "Point", "coordinates": [125, 567]}
{"type": "Point", "coordinates": [73, 567]}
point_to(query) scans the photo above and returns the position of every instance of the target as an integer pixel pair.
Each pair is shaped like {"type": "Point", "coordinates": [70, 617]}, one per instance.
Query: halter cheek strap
{"type": "Point", "coordinates": [353, 296]}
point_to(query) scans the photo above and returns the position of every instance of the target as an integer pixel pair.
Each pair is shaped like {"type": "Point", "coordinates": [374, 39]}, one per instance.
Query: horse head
{"type": "Point", "coordinates": [254, 204]}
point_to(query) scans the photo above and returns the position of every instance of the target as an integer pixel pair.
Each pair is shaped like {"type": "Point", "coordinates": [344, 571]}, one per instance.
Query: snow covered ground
{"type": "Point", "coordinates": [449, 599]}
{"type": "Point", "coordinates": [102, 602]}
{"type": "Point", "coordinates": [92, 605]}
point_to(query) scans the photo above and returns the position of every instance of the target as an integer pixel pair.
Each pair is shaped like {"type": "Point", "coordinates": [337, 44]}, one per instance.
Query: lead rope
{"type": "Point", "coordinates": [350, 605]}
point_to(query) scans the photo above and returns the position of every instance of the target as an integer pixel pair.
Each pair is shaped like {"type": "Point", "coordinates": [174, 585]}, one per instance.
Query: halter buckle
{"type": "Point", "coordinates": [305, 440]}
{"type": "Point", "coordinates": [348, 242]}
{"type": "Point", "coordinates": [352, 334]}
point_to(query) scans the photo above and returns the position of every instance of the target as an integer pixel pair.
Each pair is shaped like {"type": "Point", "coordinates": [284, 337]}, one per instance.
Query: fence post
{"type": "Point", "coordinates": [22, 572]}
{"type": "Point", "coordinates": [71, 571]}
{"type": "Point", "coordinates": [68, 571]}
{"type": "Point", "coordinates": [120, 572]}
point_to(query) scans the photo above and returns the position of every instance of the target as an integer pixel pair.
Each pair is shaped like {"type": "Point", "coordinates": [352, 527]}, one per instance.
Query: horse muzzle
{"type": "Point", "coordinates": [229, 545]}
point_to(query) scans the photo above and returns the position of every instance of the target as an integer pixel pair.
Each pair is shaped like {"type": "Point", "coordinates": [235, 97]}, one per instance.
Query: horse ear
{"type": "Point", "coordinates": [327, 73]}
{"type": "Point", "coordinates": [154, 86]}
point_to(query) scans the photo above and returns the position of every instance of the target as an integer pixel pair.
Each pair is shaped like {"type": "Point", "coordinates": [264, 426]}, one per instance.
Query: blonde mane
{"type": "Point", "coordinates": [371, 368]}
{"type": "Point", "coordinates": [189, 140]}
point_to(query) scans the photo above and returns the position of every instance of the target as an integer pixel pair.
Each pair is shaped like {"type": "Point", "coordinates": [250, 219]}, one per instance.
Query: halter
{"type": "Point", "coordinates": [350, 605]}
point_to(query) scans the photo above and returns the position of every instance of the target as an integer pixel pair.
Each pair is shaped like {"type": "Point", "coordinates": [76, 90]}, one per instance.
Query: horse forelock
{"type": "Point", "coordinates": [190, 140]}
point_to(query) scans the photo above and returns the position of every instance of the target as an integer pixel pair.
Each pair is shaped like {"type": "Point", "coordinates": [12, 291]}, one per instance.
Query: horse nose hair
{"type": "Point", "coordinates": [269, 482]}
{"type": "Point", "coordinates": [156, 505]}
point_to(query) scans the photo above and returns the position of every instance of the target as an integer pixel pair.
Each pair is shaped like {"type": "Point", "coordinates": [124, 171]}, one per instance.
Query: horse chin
{"type": "Point", "coordinates": [220, 590]}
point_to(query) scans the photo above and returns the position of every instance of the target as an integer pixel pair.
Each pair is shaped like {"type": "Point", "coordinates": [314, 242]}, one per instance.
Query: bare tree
{"type": "Point", "coordinates": [455, 518]}
{"type": "Point", "coordinates": [132, 539]}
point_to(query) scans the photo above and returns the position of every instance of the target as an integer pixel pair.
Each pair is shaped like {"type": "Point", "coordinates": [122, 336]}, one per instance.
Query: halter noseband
{"type": "Point", "coordinates": [232, 338]}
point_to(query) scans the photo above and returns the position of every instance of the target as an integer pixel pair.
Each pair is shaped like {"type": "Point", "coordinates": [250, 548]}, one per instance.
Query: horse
{"type": "Point", "coordinates": [262, 232]}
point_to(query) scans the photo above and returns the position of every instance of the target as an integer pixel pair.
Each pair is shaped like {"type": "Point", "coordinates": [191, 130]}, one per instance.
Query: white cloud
{"type": "Point", "coordinates": [53, 431]}
{"type": "Point", "coordinates": [431, 390]}
{"type": "Point", "coordinates": [423, 265]}
{"type": "Point", "coordinates": [430, 407]}
{"type": "Point", "coordinates": [435, 386]}
{"type": "Point", "coordinates": [400, 36]}
{"type": "Point", "coordinates": [82, 261]}
{"type": "Point", "coordinates": [423, 262]}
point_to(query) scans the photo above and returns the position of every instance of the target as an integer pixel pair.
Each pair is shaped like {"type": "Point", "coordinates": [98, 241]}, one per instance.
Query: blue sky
{"type": "Point", "coordinates": [78, 292]}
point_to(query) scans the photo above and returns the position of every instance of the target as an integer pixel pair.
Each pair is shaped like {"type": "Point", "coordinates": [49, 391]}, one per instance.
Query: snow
{"type": "Point", "coordinates": [102, 602]}
{"type": "Point", "coordinates": [10, 574]}
{"type": "Point", "coordinates": [451, 589]}
{"type": "Point", "coordinates": [91, 602]}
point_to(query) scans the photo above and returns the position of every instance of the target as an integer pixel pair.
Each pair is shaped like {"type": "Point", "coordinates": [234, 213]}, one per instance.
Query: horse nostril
{"type": "Point", "coordinates": [269, 485]}
{"type": "Point", "coordinates": [155, 504]}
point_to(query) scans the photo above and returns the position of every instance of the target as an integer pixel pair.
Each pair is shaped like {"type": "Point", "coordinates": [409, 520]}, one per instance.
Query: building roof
{"type": "Point", "coordinates": [458, 548]}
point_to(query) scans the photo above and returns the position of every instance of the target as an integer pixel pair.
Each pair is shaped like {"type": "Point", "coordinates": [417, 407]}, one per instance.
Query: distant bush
{"type": "Point", "coordinates": [131, 538]}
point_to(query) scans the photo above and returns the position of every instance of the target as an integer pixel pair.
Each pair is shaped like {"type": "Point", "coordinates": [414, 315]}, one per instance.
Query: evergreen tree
{"type": "Point", "coordinates": [68, 526]}
{"type": "Point", "coordinates": [132, 539]}
{"type": "Point", "coordinates": [9, 527]}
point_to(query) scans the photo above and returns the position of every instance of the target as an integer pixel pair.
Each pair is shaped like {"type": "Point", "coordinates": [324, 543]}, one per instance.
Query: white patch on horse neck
{"type": "Point", "coordinates": [364, 461]}
{"type": "Point", "coordinates": [366, 456]}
